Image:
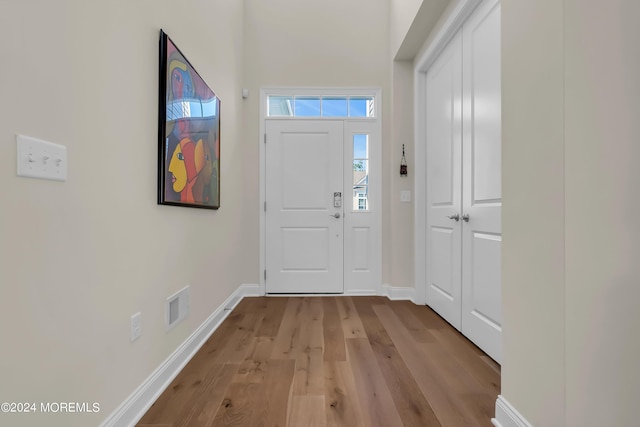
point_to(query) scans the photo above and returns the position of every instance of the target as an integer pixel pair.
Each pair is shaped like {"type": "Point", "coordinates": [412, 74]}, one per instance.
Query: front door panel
{"type": "Point", "coordinates": [304, 252]}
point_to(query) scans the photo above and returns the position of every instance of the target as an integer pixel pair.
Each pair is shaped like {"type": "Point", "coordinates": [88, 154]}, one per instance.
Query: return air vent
{"type": "Point", "coordinates": [177, 308]}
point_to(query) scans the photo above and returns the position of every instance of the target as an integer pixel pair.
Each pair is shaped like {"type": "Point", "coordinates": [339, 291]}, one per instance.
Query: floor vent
{"type": "Point", "coordinates": [177, 308]}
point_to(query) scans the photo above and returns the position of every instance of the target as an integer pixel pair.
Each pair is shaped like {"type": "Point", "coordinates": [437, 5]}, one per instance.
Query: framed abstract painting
{"type": "Point", "coordinates": [188, 133]}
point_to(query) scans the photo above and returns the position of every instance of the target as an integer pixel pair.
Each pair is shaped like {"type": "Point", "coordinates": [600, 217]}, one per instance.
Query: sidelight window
{"type": "Point", "coordinates": [360, 172]}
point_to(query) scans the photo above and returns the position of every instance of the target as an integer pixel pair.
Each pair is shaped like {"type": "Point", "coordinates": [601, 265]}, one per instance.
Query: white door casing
{"type": "Point", "coordinates": [304, 231]}
{"type": "Point", "coordinates": [443, 195]}
{"type": "Point", "coordinates": [482, 191]}
{"type": "Point", "coordinates": [362, 230]}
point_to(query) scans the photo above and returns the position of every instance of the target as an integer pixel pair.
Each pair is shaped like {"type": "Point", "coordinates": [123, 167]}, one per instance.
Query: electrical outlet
{"type": "Point", "coordinates": [136, 326]}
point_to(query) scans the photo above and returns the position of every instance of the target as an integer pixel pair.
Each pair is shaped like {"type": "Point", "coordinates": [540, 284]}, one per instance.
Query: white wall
{"type": "Point", "coordinates": [533, 216]}
{"type": "Point", "coordinates": [602, 151]}
{"type": "Point", "coordinates": [411, 22]}
{"type": "Point", "coordinates": [401, 16]}
{"type": "Point", "coordinates": [571, 235]}
{"type": "Point", "coordinates": [401, 236]}
{"type": "Point", "coordinates": [78, 258]}
{"type": "Point", "coordinates": [323, 44]}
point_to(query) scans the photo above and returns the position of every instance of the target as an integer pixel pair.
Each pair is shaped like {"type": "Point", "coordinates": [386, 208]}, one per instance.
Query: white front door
{"type": "Point", "coordinates": [482, 191]}
{"type": "Point", "coordinates": [444, 139]}
{"type": "Point", "coordinates": [304, 227]}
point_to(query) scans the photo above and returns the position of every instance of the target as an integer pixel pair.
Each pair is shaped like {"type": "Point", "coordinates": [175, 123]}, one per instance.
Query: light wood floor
{"type": "Point", "coordinates": [332, 361]}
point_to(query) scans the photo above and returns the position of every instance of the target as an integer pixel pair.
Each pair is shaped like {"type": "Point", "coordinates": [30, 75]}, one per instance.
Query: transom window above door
{"type": "Point", "coordinates": [320, 106]}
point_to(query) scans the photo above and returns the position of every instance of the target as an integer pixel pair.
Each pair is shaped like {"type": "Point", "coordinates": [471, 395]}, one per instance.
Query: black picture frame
{"type": "Point", "coordinates": [188, 133]}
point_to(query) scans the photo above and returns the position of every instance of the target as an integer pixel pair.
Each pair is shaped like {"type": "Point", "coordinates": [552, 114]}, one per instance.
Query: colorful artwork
{"type": "Point", "coordinates": [189, 134]}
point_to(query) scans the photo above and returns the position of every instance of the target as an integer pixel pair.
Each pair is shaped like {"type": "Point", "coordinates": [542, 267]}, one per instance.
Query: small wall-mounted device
{"type": "Point", "coordinates": [245, 93]}
{"type": "Point", "coordinates": [403, 164]}
{"type": "Point", "coordinates": [337, 200]}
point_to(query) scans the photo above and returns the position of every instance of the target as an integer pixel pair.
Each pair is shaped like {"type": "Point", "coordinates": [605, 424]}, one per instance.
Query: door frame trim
{"type": "Point", "coordinates": [265, 92]}
{"type": "Point", "coordinates": [423, 61]}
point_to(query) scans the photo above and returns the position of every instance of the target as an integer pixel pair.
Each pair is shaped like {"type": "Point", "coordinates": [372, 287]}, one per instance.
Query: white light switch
{"type": "Point", "coordinates": [405, 196]}
{"type": "Point", "coordinates": [136, 326]}
{"type": "Point", "coordinates": [41, 159]}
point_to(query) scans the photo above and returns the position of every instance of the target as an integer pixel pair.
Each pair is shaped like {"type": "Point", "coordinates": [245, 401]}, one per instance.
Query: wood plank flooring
{"type": "Point", "coordinates": [331, 361]}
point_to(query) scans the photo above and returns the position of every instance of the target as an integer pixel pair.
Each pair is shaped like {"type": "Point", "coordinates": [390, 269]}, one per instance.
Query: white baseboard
{"type": "Point", "coordinates": [250, 291]}
{"type": "Point", "coordinates": [398, 293]}
{"type": "Point", "coordinates": [361, 293]}
{"type": "Point", "coordinates": [507, 415]}
{"type": "Point", "coordinates": [137, 404]}
{"type": "Point", "coordinates": [345, 294]}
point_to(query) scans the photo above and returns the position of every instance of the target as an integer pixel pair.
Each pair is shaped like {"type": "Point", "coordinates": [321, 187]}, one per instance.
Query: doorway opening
{"type": "Point", "coordinates": [320, 191]}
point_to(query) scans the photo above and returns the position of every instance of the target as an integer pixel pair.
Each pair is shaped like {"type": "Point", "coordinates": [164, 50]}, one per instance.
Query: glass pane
{"type": "Point", "coordinates": [360, 171]}
{"type": "Point", "coordinates": [209, 108]}
{"type": "Point", "coordinates": [360, 198]}
{"type": "Point", "coordinates": [360, 146]}
{"type": "Point", "coordinates": [361, 107]}
{"type": "Point", "coordinates": [334, 107]}
{"type": "Point", "coordinates": [362, 204]}
{"type": "Point", "coordinates": [280, 106]}
{"type": "Point", "coordinates": [307, 107]}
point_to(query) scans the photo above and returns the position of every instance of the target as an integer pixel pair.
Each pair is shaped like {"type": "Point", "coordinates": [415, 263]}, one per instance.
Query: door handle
{"type": "Point", "coordinates": [455, 217]}
{"type": "Point", "coordinates": [336, 215]}
{"type": "Point", "coordinates": [465, 217]}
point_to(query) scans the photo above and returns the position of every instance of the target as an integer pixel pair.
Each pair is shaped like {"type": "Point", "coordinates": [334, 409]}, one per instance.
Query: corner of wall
{"type": "Point", "coordinates": [396, 293]}
{"type": "Point", "coordinates": [507, 415]}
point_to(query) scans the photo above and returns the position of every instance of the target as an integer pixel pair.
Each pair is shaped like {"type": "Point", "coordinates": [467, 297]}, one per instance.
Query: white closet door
{"type": "Point", "coordinates": [443, 124]}
{"type": "Point", "coordinates": [482, 193]}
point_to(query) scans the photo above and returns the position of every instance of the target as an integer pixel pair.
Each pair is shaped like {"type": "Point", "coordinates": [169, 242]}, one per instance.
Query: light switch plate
{"type": "Point", "coordinates": [405, 196]}
{"type": "Point", "coordinates": [136, 326]}
{"type": "Point", "coordinates": [41, 159]}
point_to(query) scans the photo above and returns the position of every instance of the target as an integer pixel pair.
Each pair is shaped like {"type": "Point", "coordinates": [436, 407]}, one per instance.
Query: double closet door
{"type": "Point", "coordinates": [464, 200]}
